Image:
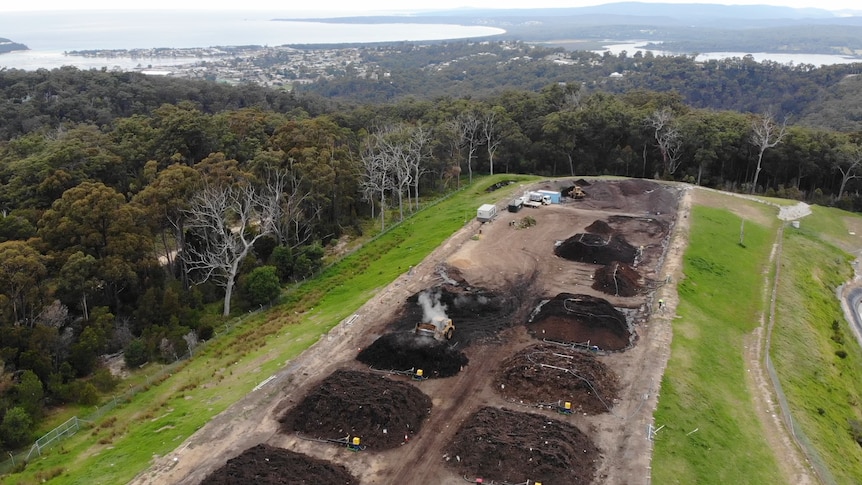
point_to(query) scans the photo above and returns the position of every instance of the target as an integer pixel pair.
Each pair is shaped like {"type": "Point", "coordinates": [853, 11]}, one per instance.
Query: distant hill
{"type": "Point", "coordinates": [7, 45]}
{"type": "Point", "coordinates": [681, 28]}
{"type": "Point", "coordinates": [697, 12]}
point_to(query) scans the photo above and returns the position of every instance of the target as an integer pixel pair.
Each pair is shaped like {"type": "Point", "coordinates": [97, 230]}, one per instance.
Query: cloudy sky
{"type": "Point", "coordinates": [386, 6]}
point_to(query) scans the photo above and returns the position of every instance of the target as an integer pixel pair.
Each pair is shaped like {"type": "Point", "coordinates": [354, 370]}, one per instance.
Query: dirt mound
{"type": "Point", "coordinates": [596, 249]}
{"type": "Point", "coordinates": [477, 313]}
{"type": "Point", "coordinates": [633, 195]}
{"type": "Point", "coordinates": [268, 465]}
{"type": "Point", "coordinates": [513, 447]}
{"type": "Point", "coordinates": [651, 228]}
{"type": "Point", "coordinates": [618, 279]}
{"type": "Point", "coordinates": [551, 375]}
{"type": "Point", "coordinates": [581, 319]}
{"type": "Point", "coordinates": [600, 227]}
{"type": "Point", "coordinates": [380, 411]}
{"type": "Point", "coordinates": [404, 351]}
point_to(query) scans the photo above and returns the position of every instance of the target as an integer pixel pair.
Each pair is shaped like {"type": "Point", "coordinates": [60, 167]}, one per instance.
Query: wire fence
{"type": "Point", "coordinates": [76, 423]}
{"type": "Point", "coordinates": [796, 432]}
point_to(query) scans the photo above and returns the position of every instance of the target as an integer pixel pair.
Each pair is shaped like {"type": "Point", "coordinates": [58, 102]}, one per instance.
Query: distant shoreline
{"type": "Point", "coordinates": [7, 45]}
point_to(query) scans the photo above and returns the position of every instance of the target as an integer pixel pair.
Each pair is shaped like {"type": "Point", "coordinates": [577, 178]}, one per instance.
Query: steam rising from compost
{"type": "Point", "coordinates": [432, 308]}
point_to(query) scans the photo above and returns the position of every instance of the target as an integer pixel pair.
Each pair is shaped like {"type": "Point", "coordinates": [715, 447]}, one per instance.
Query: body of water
{"type": "Point", "coordinates": [50, 34]}
{"type": "Point", "coordinates": [781, 58]}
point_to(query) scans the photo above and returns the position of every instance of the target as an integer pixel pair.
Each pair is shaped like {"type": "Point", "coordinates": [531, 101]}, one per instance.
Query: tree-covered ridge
{"type": "Point", "coordinates": [123, 218]}
{"type": "Point", "coordinates": [488, 68]}
{"type": "Point", "coordinates": [7, 45]}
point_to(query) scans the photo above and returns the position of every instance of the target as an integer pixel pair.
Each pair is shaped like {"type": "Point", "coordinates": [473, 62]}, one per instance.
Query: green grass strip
{"type": "Point", "coordinates": [704, 386]}
{"type": "Point", "coordinates": [818, 361]}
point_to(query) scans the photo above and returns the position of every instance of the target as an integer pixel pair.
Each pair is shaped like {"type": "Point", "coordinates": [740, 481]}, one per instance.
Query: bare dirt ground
{"type": "Point", "coordinates": [517, 268]}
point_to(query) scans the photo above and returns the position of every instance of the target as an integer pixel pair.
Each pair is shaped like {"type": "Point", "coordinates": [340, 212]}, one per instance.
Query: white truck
{"type": "Point", "coordinates": [535, 199]}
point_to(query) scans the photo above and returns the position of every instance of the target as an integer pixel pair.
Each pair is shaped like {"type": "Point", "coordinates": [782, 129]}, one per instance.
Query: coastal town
{"type": "Point", "coordinates": [279, 66]}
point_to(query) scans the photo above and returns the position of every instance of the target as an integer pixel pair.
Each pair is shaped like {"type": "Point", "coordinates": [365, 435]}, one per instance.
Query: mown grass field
{"type": "Point", "coordinates": [156, 421]}
{"type": "Point", "coordinates": [704, 386]}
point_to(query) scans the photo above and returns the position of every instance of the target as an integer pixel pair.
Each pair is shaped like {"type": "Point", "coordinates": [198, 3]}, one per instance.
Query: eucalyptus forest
{"type": "Point", "coordinates": [138, 212]}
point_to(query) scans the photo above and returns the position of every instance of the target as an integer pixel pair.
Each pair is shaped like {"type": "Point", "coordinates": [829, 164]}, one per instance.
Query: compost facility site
{"type": "Point", "coordinates": [520, 351]}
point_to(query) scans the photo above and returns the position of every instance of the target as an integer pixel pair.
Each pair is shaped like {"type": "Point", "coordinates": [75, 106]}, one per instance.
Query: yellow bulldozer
{"type": "Point", "coordinates": [439, 328]}
{"type": "Point", "coordinates": [577, 192]}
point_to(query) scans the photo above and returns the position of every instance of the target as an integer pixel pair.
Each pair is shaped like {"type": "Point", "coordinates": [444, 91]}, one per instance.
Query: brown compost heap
{"type": "Point", "coordinates": [513, 447]}
{"type": "Point", "coordinates": [551, 375]}
{"type": "Point", "coordinates": [268, 465]}
{"type": "Point", "coordinates": [582, 319]}
{"type": "Point", "coordinates": [618, 279]}
{"type": "Point", "coordinates": [382, 412]}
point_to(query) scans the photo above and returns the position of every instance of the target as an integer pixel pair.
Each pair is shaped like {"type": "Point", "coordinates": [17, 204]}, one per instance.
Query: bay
{"type": "Point", "coordinates": [795, 58]}
{"type": "Point", "coordinates": [50, 34]}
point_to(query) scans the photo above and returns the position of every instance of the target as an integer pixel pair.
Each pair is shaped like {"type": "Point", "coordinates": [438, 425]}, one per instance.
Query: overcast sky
{"type": "Point", "coordinates": [369, 6]}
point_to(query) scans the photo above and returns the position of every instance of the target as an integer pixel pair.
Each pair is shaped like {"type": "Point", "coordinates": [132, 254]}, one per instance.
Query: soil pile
{"type": "Point", "coordinates": [618, 279]}
{"type": "Point", "coordinates": [268, 465]}
{"type": "Point", "coordinates": [600, 227]}
{"type": "Point", "coordinates": [551, 375]}
{"type": "Point", "coordinates": [596, 249]}
{"type": "Point", "coordinates": [581, 319]}
{"type": "Point", "coordinates": [633, 195]}
{"type": "Point", "coordinates": [648, 227]}
{"type": "Point", "coordinates": [405, 351]}
{"type": "Point", "coordinates": [380, 411]}
{"type": "Point", "coordinates": [477, 313]}
{"type": "Point", "coordinates": [508, 446]}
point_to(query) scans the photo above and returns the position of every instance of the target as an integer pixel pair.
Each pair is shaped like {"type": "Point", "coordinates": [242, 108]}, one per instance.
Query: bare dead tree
{"type": "Point", "coordinates": [376, 178]}
{"type": "Point", "coordinates": [667, 138]}
{"type": "Point", "coordinates": [290, 226]}
{"type": "Point", "coordinates": [851, 158]}
{"type": "Point", "coordinates": [765, 134]}
{"type": "Point", "coordinates": [220, 217]}
{"type": "Point", "coordinates": [466, 127]}
{"type": "Point", "coordinates": [392, 145]}
{"type": "Point", "coordinates": [489, 135]}
{"type": "Point", "coordinates": [419, 148]}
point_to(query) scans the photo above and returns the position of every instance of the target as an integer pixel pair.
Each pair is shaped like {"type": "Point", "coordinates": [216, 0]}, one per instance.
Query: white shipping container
{"type": "Point", "coordinates": [486, 212]}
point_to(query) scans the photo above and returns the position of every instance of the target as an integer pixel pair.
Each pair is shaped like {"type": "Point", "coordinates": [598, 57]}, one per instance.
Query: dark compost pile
{"type": "Point", "coordinates": [268, 465]}
{"type": "Point", "coordinates": [618, 279]}
{"type": "Point", "coordinates": [549, 374]}
{"type": "Point", "coordinates": [514, 447]}
{"type": "Point", "coordinates": [402, 351]}
{"type": "Point", "coordinates": [581, 319]}
{"type": "Point", "coordinates": [478, 313]}
{"type": "Point", "coordinates": [380, 411]}
{"type": "Point", "coordinates": [596, 249]}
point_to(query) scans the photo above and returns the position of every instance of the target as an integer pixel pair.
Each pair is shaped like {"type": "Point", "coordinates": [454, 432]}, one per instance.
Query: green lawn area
{"type": "Point", "coordinates": [704, 385]}
{"type": "Point", "coordinates": [124, 442]}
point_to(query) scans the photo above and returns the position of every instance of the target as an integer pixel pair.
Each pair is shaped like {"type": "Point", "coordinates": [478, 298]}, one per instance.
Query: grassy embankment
{"type": "Point", "coordinates": [721, 301]}
{"type": "Point", "coordinates": [816, 356]}
{"type": "Point", "coordinates": [157, 420]}
{"type": "Point", "coordinates": [711, 433]}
